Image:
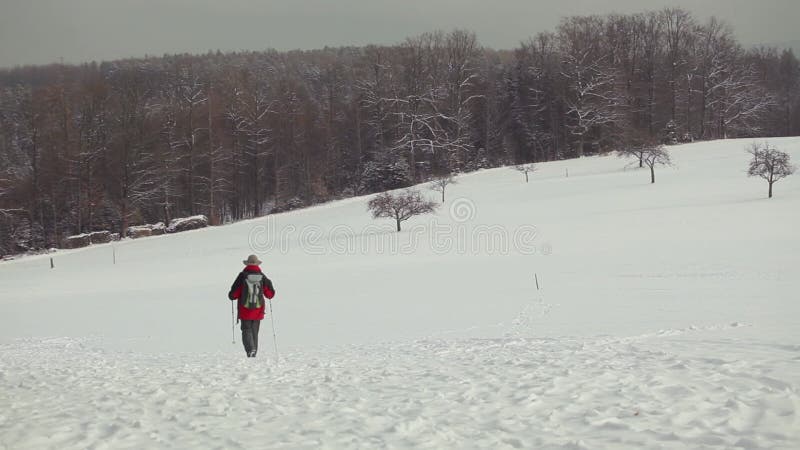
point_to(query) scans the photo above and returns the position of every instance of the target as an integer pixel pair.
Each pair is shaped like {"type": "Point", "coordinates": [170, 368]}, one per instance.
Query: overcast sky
{"type": "Point", "coordinates": [43, 31]}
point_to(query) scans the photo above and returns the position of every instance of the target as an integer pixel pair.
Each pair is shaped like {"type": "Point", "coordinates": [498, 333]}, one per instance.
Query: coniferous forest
{"type": "Point", "coordinates": [102, 146]}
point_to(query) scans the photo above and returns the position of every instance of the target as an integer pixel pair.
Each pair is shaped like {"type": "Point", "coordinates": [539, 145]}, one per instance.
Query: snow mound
{"type": "Point", "coordinates": [187, 223]}
{"type": "Point", "coordinates": [482, 393]}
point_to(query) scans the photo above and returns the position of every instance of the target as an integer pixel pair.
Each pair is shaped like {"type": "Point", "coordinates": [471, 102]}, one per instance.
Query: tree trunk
{"type": "Point", "coordinates": [276, 168]}
{"type": "Point", "coordinates": [357, 178]}
{"type": "Point", "coordinates": [89, 196]}
{"type": "Point", "coordinates": [651, 94]}
{"type": "Point", "coordinates": [770, 189]}
{"type": "Point", "coordinates": [123, 224]}
{"type": "Point", "coordinates": [413, 159]}
{"type": "Point", "coordinates": [190, 161]}
{"type": "Point", "coordinates": [212, 211]}
{"type": "Point", "coordinates": [689, 106]}
{"type": "Point", "coordinates": [704, 99]}
{"type": "Point", "coordinates": [56, 238]}
{"type": "Point", "coordinates": [167, 212]}
{"type": "Point", "coordinates": [398, 225]}
{"type": "Point", "coordinates": [652, 174]}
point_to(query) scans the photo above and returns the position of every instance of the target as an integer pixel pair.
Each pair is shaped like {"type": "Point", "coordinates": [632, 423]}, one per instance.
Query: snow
{"type": "Point", "coordinates": [666, 318]}
{"type": "Point", "coordinates": [186, 223]}
{"type": "Point", "coordinates": [148, 227]}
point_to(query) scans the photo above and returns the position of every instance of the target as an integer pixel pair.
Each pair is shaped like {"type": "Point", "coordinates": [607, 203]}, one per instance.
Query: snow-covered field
{"type": "Point", "coordinates": [667, 317]}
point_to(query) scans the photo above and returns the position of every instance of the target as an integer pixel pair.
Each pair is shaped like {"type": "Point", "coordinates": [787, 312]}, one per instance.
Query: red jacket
{"type": "Point", "coordinates": [236, 292]}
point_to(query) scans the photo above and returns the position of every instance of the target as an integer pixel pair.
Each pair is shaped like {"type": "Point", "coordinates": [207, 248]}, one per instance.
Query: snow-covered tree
{"type": "Point", "coordinates": [670, 133]}
{"type": "Point", "coordinates": [216, 158]}
{"type": "Point", "coordinates": [133, 91]}
{"type": "Point", "coordinates": [462, 54]}
{"type": "Point", "coordinates": [733, 100]}
{"type": "Point", "coordinates": [593, 100]}
{"type": "Point", "coordinates": [678, 26]}
{"type": "Point", "coordinates": [188, 92]}
{"type": "Point", "coordinates": [164, 167]}
{"type": "Point", "coordinates": [419, 131]}
{"type": "Point", "coordinates": [387, 173]}
{"type": "Point", "coordinates": [536, 102]}
{"type": "Point", "coordinates": [251, 115]}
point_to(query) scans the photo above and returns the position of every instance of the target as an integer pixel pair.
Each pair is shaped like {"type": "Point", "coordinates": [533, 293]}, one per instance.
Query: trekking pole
{"type": "Point", "coordinates": [233, 327]}
{"type": "Point", "coordinates": [274, 338]}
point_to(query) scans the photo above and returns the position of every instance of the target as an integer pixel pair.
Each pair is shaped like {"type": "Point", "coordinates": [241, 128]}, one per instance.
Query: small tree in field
{"type": "Point", "coordinates": [401, 206]}
{"type": "Point", "coordinates": [770, 164]}
{"type": "Point", "coordinates": [439, 184]}
{"type": "Point", "coordinates": [655, 155]}
{"type": "Point", "coordinates": [525, 169]}
{"type": "Point", "coordinates": [633, 151]}
{"type": "Point", "coordinates": [636, 144]}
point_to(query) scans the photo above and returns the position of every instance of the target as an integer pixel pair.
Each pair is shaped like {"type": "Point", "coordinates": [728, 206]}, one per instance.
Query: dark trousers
{"type": "Point", "coordinates": [250, 336]}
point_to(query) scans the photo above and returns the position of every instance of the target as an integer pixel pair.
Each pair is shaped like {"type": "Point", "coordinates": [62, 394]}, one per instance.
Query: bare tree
{"type": "Point", "coordinates": [633, 151]}
{"type": "Point", "coordinates": [256, 107]}
{"type": "Point", "coordinates": [419, 128]}
{"type": "Point", "coordinates": [439, 184]}
{"type": "Point", "coordinates": [165, 168]}
{"type": "Point", "coordinates": [743, 103]}
{"type": "Point", "coordinates": [525, 169]}
{"type": "Point", "coordinates": [93, 138]}
{"type": "Point", "coordinates": [650, 47]}
{"type": "Point", "coordinates": [593, 102]}
{"type": "Point", "coordinates": [7, 212]}
{"type": "Point", "coordinates": [593, 99]}
{"type": "Point", "coordinates": [635, 145]}
{"type": "Point", "coordinates": [133, 103]}
{"type": "Point", "coordinates": [401, 206]}
{"type": "Point", "coordinates": [733, 100]}
{"type": "Point", "coordinates": [677, 26]}
{"type": "Point", "coordinates": [462, 50]}
{"type": "Point", "coordinates": [536, 104]}
{"type": "Point", "coordinates": [216, 159]}
{"type": "Point", "coordinates": [769, 163]}
{"type": "Point", "coordinates": [189, 92]}
{"type": "Point", "coordinates": [655, 155]}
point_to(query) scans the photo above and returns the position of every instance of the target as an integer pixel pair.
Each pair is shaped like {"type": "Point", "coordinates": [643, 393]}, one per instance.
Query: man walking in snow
{"type": "Point", "coordinates": [250, 288]}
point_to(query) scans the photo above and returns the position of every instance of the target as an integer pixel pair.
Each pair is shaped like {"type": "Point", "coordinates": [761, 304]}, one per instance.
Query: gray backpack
{"type": "Point", "coordinates": [253, 291]}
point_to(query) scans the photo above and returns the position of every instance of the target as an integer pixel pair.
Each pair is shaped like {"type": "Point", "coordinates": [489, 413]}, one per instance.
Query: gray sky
{"type": "Point", "coordinates": [43, 31]}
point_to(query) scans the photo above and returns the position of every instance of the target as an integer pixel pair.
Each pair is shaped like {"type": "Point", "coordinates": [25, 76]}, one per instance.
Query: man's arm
{"type": "Point", "coordinates": [233, 294]}
{"type": "Point", "coordinates": [269, 288]}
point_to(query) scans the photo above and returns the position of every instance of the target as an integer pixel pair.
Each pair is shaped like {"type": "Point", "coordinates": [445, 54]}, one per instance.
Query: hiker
{"type": "Point", "coordinates": [250, 288]}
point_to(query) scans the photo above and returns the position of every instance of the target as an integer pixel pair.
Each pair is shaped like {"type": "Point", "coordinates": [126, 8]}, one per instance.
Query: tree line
{"type": "Point", "coordinates": [101, 146]}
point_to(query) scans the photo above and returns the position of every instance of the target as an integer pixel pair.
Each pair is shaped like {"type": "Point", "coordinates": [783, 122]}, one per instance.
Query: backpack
{"type": "Point", "coordinates": [253, 291]}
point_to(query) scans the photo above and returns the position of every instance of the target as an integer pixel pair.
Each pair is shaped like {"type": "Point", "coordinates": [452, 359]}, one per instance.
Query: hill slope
{"type": "Point", "coordinates": [666, 317]}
